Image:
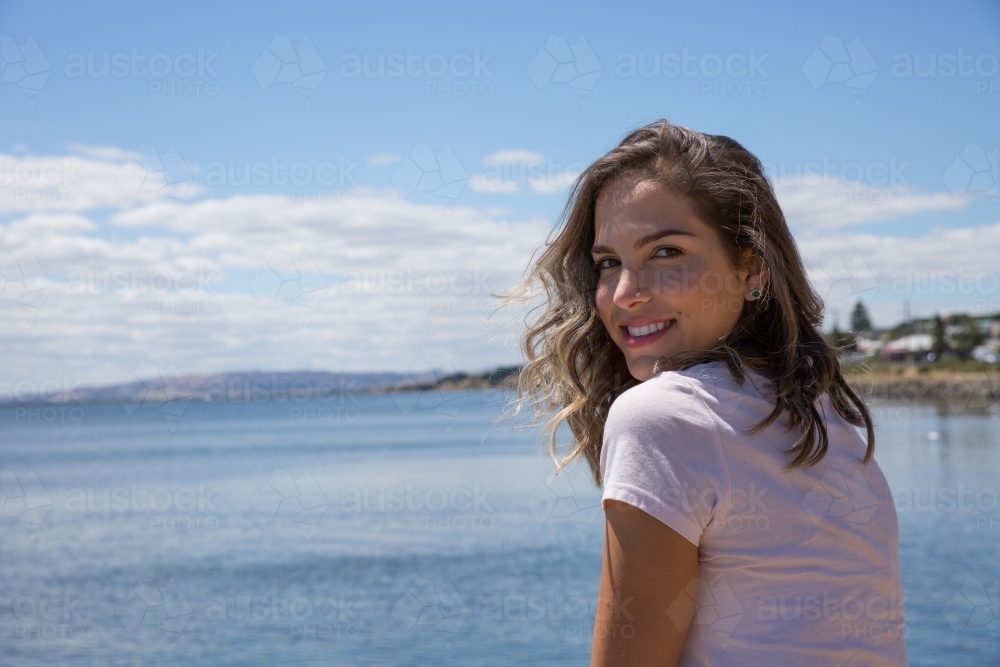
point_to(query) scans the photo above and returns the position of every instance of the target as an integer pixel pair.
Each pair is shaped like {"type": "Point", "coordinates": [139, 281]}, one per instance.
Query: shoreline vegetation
{"type": "Point", "coordinates": [970, 383]}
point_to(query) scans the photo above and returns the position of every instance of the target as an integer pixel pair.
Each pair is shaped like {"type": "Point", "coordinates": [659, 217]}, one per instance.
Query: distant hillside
{"type": "Point", "coordinates": [498, 377]}
{"type": "Point", "coordinates": [872, 380]}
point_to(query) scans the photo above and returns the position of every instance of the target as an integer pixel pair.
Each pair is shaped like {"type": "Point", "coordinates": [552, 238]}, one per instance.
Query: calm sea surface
{"type": "Point", "coordinates": [374, 530]}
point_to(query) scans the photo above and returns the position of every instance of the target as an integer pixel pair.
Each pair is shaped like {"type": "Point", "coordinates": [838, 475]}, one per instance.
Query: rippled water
{"type": "Point", "coordinates": [371, 532]}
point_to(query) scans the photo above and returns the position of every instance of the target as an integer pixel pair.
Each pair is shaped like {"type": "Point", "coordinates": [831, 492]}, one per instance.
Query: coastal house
{"type": "Point", "coordinates": [869, 346]}
{"type": "Point", "coordinates": [912, 348]}
{"type": "Point", "coordinates": [990, 328]}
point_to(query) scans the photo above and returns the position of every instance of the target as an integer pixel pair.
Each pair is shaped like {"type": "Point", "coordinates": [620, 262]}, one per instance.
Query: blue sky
{"type": "Point", "coordinates": [137, 169]}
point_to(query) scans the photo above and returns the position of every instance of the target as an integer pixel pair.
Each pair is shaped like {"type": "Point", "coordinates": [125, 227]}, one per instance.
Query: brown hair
{"type": "Point", "coordinates": [574, 368]}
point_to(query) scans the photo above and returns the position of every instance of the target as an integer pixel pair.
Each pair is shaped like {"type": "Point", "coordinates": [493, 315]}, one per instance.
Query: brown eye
{"type": "Point", "coordinates": [600, 265]}
{"type": "Point", "coordinates": [671, 252]}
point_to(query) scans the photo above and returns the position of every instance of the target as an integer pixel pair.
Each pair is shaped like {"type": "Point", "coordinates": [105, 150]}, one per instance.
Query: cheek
{"type": "Point", "coordinates": [715, 294]}
{"type": "Point", "coordinates": [709, 281]}
{"type": "Point", "coordinates": [604, 301]}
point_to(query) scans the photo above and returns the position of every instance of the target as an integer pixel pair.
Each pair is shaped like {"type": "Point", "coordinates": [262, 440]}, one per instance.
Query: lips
{"type": "Point", "coordinates": [648, 332]}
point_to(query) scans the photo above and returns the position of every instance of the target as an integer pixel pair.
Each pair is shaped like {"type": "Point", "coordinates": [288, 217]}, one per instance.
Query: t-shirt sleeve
{"type": "Point", "coordinates": [661, 452]}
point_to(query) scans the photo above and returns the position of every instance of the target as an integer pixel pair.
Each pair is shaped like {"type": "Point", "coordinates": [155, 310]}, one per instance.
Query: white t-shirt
{"type": "Point", "coordinates": [795, 568]}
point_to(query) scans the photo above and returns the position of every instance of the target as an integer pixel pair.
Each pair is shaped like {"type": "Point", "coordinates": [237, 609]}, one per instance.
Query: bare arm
{"type": "Point", "coordinates": [648, 590]}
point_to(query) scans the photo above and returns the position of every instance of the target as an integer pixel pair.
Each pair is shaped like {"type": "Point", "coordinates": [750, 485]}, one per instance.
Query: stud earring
{"type": "Point", "coordinates": [754, 294]}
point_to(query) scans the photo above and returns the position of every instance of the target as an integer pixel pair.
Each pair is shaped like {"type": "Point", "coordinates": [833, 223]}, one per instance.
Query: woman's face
{"type": "Point", "coordinates": [665, 284]}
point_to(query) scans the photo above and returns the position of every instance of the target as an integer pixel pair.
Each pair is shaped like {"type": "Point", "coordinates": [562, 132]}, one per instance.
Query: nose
{"type": "Point", "coordinates": [631, 289]}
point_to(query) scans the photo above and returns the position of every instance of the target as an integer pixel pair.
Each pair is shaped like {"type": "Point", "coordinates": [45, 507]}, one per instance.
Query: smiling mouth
{"type": "Point", "coordinates": [644, 335]}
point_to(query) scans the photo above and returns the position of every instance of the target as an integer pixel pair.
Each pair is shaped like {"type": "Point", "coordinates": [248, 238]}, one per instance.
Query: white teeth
{"type": "Point", "coordinates": [647, 329]}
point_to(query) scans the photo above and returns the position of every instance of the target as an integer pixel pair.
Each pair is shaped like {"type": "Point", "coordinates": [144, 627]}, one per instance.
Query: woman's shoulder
{"type": "Point", "coordinates": [715, 376]}
{"type": "Point", "coordinates": [669, 396]}
{"type": "Point", "coordinates": [654, 390]}
{"type": "Point", "coordinates": [711, 379]}
{"type": "Point", "coordinates": [705, 395]}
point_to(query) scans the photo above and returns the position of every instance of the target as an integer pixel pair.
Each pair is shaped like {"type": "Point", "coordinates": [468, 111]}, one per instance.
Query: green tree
{"type": "Point", "coordinates": [860, 322]}
{"type": "Point", "coordinates": [967, 337]}
{"type": "Point", "coordinates": [940, 344]}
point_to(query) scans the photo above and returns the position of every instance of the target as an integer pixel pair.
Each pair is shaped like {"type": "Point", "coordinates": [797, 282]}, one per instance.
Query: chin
{"type": "Point", "coordinates": [641, 370]}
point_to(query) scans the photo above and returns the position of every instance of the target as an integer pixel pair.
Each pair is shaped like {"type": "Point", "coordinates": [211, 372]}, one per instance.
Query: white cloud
{"type": "Point", "coordinates": [514, 156]}
{"type": "Point", "coordinates": [944, 270]}
{"type": "Point", "coordinates": [512, 170]}
{"type": "Point", "coordinates": [486, 183]}
{"type": "Point", "coordinates": [553, 182]}
{"type": "Point", "coordinates": [383, 159]}
{"type": "Point", "coordinates": [833, 203]}
{"type": "Point", "coordinates": [111, 153]}
{"type": "Point", "coordinates": [379, 228]}
{"type": "Point", "coordinates": [94, 177]}
{"type": "Point", "coordinates": [974, 248]}
{"type": "Point", "coordinates": [49, 223]}
{"type": "Point", "coordinates": [389, 283]}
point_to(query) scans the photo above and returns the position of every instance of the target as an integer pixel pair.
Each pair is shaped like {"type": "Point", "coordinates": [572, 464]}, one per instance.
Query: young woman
{"type": "Point", "coordinates": [747, 522]}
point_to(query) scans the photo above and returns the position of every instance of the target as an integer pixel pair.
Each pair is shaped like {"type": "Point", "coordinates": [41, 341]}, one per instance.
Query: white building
{"type": "Point", "coordinates": [914, 346]}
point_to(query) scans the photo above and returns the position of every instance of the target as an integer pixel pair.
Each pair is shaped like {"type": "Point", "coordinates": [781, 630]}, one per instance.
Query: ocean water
{"type": "Point", "coordinates": [381, 530]}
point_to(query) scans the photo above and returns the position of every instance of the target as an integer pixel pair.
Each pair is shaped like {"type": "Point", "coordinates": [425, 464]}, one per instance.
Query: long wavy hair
{"type": "Point", "coordinates": [575, 370]}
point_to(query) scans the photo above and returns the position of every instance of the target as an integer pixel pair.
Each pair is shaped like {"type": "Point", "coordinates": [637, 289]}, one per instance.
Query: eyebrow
{"type": "Point", "coordinates": [645, 240]}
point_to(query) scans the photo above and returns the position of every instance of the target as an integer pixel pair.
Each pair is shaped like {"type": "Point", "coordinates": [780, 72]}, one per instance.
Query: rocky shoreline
{"type": "Point", "coordinates": [969, 388]}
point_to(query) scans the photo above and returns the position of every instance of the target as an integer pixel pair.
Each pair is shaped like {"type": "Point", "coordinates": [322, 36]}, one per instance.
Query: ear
{"type": "Point", "coordinates": [756, 273]}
